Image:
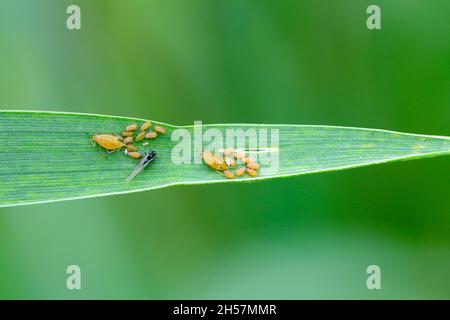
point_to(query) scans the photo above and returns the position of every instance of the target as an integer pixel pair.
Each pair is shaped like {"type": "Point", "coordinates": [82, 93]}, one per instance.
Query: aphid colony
{"type": "Point", "coordinates": [116, 142]}
{"type": "Point", "coordinates": [112, 142]}
{"type": "Point", "coordinates": [227, 161]}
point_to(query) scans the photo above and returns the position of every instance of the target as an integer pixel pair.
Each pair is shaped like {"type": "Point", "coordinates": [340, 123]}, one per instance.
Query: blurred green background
{"type": "Point", "coordinates": [303, 62]}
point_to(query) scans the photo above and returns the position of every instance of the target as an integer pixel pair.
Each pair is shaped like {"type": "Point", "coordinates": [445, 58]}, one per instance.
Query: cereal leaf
{"type": "Point", "coordinates": [48, 156]}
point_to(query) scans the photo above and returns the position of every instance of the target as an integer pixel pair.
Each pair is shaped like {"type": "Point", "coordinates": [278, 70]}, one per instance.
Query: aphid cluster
{"type": "Point", "coordinates": [145, 161]}
{"type": "Point", "coordinates": [227, 163]}
{"type": "Point", "coordinates": [126, 139]}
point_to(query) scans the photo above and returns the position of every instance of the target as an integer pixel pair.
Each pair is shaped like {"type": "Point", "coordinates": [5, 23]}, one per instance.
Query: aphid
{"type": "Point", "coordinates": [223, 163]}
{"type": "Point", "coordinates": [128, 140]}
{"type": "Point", "coordinates": [160, 130]}
{"type": "Point", "coordinates": [239, 172]}
{"type": "Point", "coordinates": [219, 164]}
{"type": "Point", "coordinates": [145, 144]}
{"type": "Point", "coordinates": [151, 135]}
{"type": "Point", "coordinates": [131, 127]}
{"type": "Point", "coordinates": [142, 164]}
{"type": "Point", "coordinates": [213, 161]}
{"type": "Point", "coordinates": [145, 126]}
{"type": "Point", "coordinates": [228, 174]}
{"type": "Point", "coordinates": [131, 148]}
{"type": "Point", "coordinates": [127, 134]}
{"type": "Point", "coordinates": [107, 141]}
{"type": "Point", "coordinates": [140, 136]}
{"type": "Point", "coordinates": [251, 172]}
{"type": "Point", "coordinates": [118, 137]}
{"type": "Point", "coordinates": [208, 158]}
{"type": "Point", "coordinates": [230, 162]}
{"type": "Point", "coordinates": [134, 155]}
{"type": "Point", "coordinates": [253, 165]}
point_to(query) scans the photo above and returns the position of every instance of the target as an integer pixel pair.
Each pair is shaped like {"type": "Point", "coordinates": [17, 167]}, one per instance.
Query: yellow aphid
{"type": "Point", "coordinates": [108, 141]}
{"type": "Point", "coordinates": [134, 155]}
{"type": "Point", "coordinates": [253, 165]}
{"type": "Point", "coordinates": [131, 127]}
{"type": "Point", "coordinates": [251, 172]}
{"type": "Point", "coordinates": [239, 172]}
{"type": "Point", "coordinates": [127, 134]}
{"type": "Point", "coordinates": [160, 130]}
{"type": "Point", "coordinates": [228, 174]}
{"type": "Point", "coordinates": [145, 126]}
{"type": "Point", "coordinates": [151, 135]}
{"type": "Point", "coordinates": [140, 136]}
{"type": "Point", "coordinates": [128, 140]}
{"type": "Point", "coordinates": [217, 163]}
{"type": "Point", "coordinates": [131, 148]}
{"type": "Point", "coordinates": [208, 158]}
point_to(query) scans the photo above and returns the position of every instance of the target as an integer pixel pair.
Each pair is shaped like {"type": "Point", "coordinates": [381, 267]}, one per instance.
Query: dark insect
{"type": "Point", "coordinates": [146, 159]}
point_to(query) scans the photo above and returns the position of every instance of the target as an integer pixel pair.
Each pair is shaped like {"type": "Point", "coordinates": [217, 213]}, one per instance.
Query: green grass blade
{"type": "Point", "coordinates": [48, 156]}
